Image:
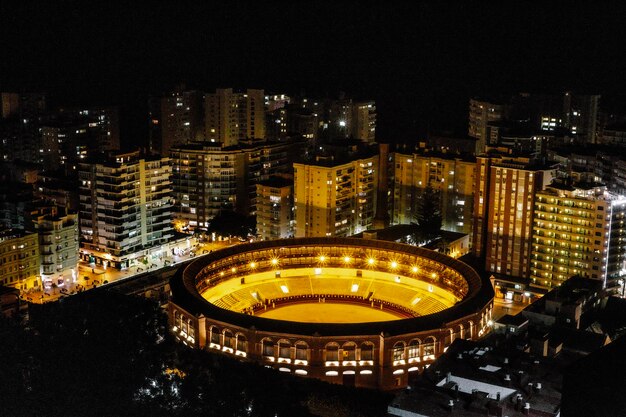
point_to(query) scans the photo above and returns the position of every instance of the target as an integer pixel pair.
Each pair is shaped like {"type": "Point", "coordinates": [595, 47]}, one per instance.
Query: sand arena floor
{"type": "Point", "coordinates": [328, 312]}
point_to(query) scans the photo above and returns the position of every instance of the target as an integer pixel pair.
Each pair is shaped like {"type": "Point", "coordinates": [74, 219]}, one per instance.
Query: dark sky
{"type": "Point", "coordinates": [420, 60]}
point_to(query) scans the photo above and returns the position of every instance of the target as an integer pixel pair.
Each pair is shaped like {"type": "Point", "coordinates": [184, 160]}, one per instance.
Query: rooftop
{"type": "Point", "coordinates": [472, 378]}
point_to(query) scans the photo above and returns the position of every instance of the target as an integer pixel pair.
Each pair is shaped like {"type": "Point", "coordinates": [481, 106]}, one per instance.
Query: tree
{"type": "Point", "coordinates": [428, 214]}
{"type": "Point", "coordinates": [230, 223]}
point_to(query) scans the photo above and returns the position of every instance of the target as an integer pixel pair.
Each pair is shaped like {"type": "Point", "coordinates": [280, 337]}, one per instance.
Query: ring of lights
{"type": "Point", "coordinates": [376, 354]}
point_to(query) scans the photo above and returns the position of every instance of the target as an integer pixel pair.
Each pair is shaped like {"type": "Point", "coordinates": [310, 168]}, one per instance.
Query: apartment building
{"type": "Point", "coordinates": [335, 198]}
{"type": "Point", "coordinates": [451, 175]}
{"type": "Point", "coordinates": [125, 208]}
{"type": "Point", "coordinates": [577, 230]}
{"type": "Point", "coordinates": [19, 260]}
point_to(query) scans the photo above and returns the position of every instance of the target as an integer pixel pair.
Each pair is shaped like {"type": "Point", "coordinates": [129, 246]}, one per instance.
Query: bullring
{"type": "Point", "coordinates": [389, 309]}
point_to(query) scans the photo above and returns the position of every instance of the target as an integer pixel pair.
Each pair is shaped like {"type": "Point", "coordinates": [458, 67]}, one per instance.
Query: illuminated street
{"type": "Point", "coordinates": [90, 277]}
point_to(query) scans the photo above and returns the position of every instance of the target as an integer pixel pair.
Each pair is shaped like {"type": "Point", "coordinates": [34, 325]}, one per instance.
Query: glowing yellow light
{"type": "Point", "coordinates": [233, 269]}
{"type": "Point", "coordinates": [346, 259]}
{"type": "Point", "coordinates": [274, 261]}
{"type": "Point", "coordinates": [414, 269]}
{"type": "Point", "coordinates": [434, 275]}
{"type": "Point", "coordinates": [322, 258]}
{"type": "Point", "coordinates": [394, 264]}
{"type": "Point", "coordinates": [252, 264]}
{"type": "Point", "coordinates": [222, 274]}
{"type": "Point", "coordinates": [371, 261]}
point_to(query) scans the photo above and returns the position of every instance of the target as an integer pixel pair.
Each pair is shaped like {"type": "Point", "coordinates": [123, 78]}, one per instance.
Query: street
{"type": "Point", "coordinates": [89, 277]}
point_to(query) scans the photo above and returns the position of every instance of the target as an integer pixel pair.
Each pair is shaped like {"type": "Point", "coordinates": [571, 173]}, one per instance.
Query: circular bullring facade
{"type": "Point", "coordinates": [355, 311]}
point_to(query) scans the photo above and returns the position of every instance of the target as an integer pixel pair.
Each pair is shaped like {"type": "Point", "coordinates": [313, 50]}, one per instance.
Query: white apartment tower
{"type": "Point", "coordinates": [125, 208]}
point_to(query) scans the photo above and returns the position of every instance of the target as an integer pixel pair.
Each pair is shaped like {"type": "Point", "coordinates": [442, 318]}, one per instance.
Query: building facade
{"type": "Point", "coordinates": [481, 113]}
{"type": "Point", "coordinates": [208, 178]}
{"type": "Point", "coordinates": [364, 121]}
{"type": "Point", "coordinates": [335, 199]}
{"type": "Point", "coordinates": [181, 119]}
{"type": "Point", "coordinates": [577, 231]}
{"type": "Point", "coordinates": [58, 248]}
{"type": "Point", "coordinates": [274, 208]}
{"type": "Point", "coordinates": [19, 260]}
{"type": "Point", "coordinates": [231, 117]}
{"type": "Point", "coordinates": [503, 207]}
{"type": "Point", "coordinates": [453, 177]}
{"type": "Point", "coordinates": [125, 208]}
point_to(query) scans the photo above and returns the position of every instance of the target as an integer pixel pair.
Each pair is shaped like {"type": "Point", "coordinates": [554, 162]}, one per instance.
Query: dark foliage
{"type": "Point", "coordinates": [106, 354]}
{"type": "Point", "coordinates": [230, 223]}
{"type": "Point", "coordinates": [428, 215]}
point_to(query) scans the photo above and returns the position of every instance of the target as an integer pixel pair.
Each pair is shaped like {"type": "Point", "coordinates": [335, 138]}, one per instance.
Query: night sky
{"type": "Point", "coordinates": [419, 60]}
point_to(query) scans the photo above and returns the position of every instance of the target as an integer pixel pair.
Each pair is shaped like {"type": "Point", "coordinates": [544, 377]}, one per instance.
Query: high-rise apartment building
{"type": "Point", "coordinates": [58, 247]}
{"type": "Point", "coordinates": [333, 198]}
{"type": "Point", "coordinates": [19, 260]}
{"type": "Point", "coordinates": [181, 119]}
{"type": "Point", "coordinates": [452, 176]}
{"type": "Point", "coordinates": [72, 135]}
{"type": "Point", "coordinates": [503, 210]}
{"type": "Point", "coordinates": [104, 122]}
{"type": "Point", "coordinates": [481, 113]}
{"type": "Point", "coordinates": [208, 178]}
{"type": "Point", "coordinates": [578, 231]}
{"type": "Point", "coordinates": [364, 121]}
{"type": "Point", "coordinates": [19, 128]}
{"type": "Point", "coordinates": [125, 208]}
{"type": "Point", "coordinates": [274, 208]}
{"type": "Point", "coordinates": [231, 117]}
{"type": "Point", "coordinates": [580, 115]}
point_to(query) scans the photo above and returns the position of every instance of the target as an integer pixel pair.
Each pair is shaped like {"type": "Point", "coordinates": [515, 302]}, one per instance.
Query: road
{"type": "Point", "coordinates": [90, 277]}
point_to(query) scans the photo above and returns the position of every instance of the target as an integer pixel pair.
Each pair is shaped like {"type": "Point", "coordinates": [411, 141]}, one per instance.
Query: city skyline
{"type": "Point", "coordinates": [427, 195]}
{"type": "Point", "coordinates": [420, 61]}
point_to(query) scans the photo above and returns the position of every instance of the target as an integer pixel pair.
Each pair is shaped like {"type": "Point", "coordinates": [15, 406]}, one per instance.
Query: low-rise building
{"type": "Point", "coordinates": [19, 260]}
{"type": "Point", "coordinates": [58, 248]}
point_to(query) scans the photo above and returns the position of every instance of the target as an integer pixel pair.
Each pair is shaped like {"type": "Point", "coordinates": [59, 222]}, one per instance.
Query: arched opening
{"type": "Point", "coordinates": [284, 350]}
{"type": "Point", "coordinates": [241, 343]}
{"type": "Point", "coordinates": [177, 320]}
{"type": "Point", "coordinates": [191, 330]}
{"type": "Point", "coordinates": [367, 351]}
{"type": "Point", "coordinates": [429, 347]}
{"type": "Point", "coordinates": [302, 353]}
{"type": "Point", "coordinates": [331, 352]}
{"type": "Point", "coordinates": [215, 336]}
{"type": "Point", "coordinates": [413, 351]}
{"type": "Point", "coordinates": [268, 348]}
{"type": "Point", "coordinates": [349, 352]}
{"type": "Point", "coordinates": [184, 327]}
{"type": "Point", "coordinates": [228, 339]}
{"type": "Point", "coordinates": [398, 353]}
